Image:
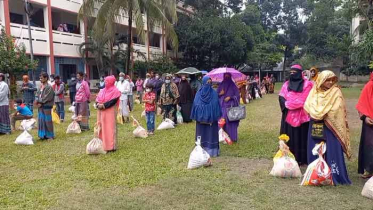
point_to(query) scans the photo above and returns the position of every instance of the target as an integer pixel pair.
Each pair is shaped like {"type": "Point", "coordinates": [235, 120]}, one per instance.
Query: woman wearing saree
{"type": "Point", "coordinates": [83, 93]}
{"type": "Point", "coordinates": [229, 96]}
{"type": "Point", "coordinates": [295, 121]}
{"type": "Point", "coordinates": [107, 102]}
{"type": "Point", "coordinates": [206, 112]}
{"type": "Point", "coordinates": [326, 107]}
{"type": "Point", "coordinates": [45, 102]}
{"type": "Point", "coordinates": [186, 98]}
{"type": "Point", "coordinates": [365, 108]}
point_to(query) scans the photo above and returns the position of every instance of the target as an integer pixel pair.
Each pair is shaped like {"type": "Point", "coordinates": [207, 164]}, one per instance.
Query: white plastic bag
{"type": "Point", "coordinates": [198, 157]}
{"type": "Point", "coordinates": [28, 125]}
{"type": "Point", "coordinates": [24, 139]}
{"type": "Point", "coordinates": [318, 173]}
{"type": "Point", "coordinates": [284, 163]}
{"type": "Point", "coordinates": [166, 124]}
{"type": "Point", "coordinates": [143, 114]}
{"type": "Point", "coordinates": [368, 189]}
{"type": "Point", "coordinates": [179, 117]}
{"type": "Point", "coordinates": [72, 109]}
{"type": "Point", "coordinates": [74, 127]}
{"type": "Point", "coordinates": [224, 137]}
{"type": "Point", "coordinates": [257, 94]}
{"type": "Point", "coordinates": [140, 132]}
{"type": "Point", "coordinates": [286, 167]}
{"type": "Point", "coordinates": [94, 147]}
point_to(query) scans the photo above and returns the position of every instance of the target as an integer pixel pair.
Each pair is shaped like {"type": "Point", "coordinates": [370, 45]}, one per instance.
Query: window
{"type": "Point", "coordinates": [16, 18]}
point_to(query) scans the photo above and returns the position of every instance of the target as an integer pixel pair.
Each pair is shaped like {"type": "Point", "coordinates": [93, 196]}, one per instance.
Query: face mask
{"type": "Point", "coordinates": [121, 79]}
{"type": "Point", "coordinates": [188, 79]}
{"type": "Point", "coordinates": [173, 77]}
{"type": "Point", "coordinates": [167, 81]}
{"type": "Point", "coordinates": [148, 90]}
{"type": "Point", "coordinates": [52, 80]}
{"type": "Point", "coordinates": [157, 77]}
{"type": "Point", "coordinates": [183, 78]}
{"type": "Point", "coordinates": [73, 78]}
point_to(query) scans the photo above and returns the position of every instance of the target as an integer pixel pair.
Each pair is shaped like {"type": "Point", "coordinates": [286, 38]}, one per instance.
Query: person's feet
{"type": "Point", "coordinates": [366, 175]}
{"type": "Point", "coordinates": [150, 133]}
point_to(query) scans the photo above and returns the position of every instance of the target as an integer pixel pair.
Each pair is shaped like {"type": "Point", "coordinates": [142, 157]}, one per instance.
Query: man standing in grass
{"type": "Point", "coordinates": [45, 103]}
{"type": "Point", "coordinates": [28, 90]}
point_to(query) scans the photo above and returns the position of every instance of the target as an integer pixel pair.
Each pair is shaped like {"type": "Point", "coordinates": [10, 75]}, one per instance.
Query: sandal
{"type": "Point", "coordinates": [366, 175]}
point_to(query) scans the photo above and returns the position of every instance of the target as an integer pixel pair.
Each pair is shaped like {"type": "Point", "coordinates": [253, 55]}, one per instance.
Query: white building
{"type": "Point", "coordinates": [58, 52]}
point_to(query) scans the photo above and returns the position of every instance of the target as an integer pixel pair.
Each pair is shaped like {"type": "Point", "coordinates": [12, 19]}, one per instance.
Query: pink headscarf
{"type": "Point", "coordinates": [110, 92]}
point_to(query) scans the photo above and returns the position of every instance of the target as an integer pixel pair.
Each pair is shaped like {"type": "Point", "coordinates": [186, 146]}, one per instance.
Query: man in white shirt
{"type": "Point", "coordinates": [124, 87]}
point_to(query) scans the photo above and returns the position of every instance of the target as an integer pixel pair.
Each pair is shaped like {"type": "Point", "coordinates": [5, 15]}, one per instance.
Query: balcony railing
{"type": "Point", "coordinates": [67, 44]}
{"type": "Point", "coordinates": [39, 38]}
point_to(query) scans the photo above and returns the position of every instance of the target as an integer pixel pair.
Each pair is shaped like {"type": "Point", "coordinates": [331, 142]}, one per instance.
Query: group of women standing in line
{"type": "Point", "coordinates": [314, 110]}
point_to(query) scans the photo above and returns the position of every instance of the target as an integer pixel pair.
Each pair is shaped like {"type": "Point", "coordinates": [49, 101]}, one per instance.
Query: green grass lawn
{"type": "Point", "coordinates": [151, 173]}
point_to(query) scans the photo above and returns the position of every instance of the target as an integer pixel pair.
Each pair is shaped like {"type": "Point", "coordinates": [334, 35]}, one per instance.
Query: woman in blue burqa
{"type": "Point", "coordinates": [206, 112]}
{"type": "Point", "coordinates": [229, 96]}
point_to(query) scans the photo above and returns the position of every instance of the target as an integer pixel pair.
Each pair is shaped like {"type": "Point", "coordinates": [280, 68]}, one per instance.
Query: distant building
{"type": "Point", "coordinates": [57, 35]}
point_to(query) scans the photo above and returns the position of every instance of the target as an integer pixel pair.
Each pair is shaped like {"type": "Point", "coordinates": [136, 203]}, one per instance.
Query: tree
{"type": "Point", "coordinates": [159, 12]}
{"type": "Point", "coordinates": [208, 41]}
{"type": "Point", "coordinates": [13, 59]}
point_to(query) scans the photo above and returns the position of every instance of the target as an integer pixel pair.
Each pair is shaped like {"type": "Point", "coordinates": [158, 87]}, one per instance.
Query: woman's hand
{"type": "Point", "coordinates": [100, 106]}
{"type": "Point", "coordinates": [369, 121]}
{"type": "Point", "coordinates": [227, 99]}
{"type": "Point", "coordinates": [221, 92]}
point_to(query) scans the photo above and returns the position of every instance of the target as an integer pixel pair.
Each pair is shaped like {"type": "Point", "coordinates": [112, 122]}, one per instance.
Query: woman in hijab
{"type": "Point", "coordinates": [365, 108]}
{"type": "Point", "coordinates": [295, 121]}
{"type": "Point", "coordinates": [107, 103]}
{"type": "Point", "coordinates": [169, 98]}
{"type": "Point", "coordinates": [314, 74]}
{"type": "Point", "coordinates": [206, 112]}
{"type": "Point", "coordinates": [327, 109]}
{"type": "Point", "coordinates": [229, 96]}
{"type": "Point", "coordinates": [186, 98]}
{"type": "Point", "coordinates": [4, 106]}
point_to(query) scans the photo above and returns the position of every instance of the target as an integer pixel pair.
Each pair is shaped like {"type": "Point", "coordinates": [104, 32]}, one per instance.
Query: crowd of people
{"type": "Point", "coordinates": [310, 101]}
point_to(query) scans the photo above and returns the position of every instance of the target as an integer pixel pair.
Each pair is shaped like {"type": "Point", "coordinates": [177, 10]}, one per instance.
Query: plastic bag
{"type": "Point", "coordinates": [94, 147]}
{"type": "Point", "coordinates": [55, 117]}
{"type": "Point", "coordinates": [199, 157]}
{"type": "Point", "coordinates": [224, 137]}
{"type": "Point", "coordinates": [72, 109]}
{"type": "Point", "coordinates": [284, 163]}
{"type": "Point", "coordinates": [137, 101]}
{"type": "Point", "coordinates": [24, 139]}
{"type": "Point", "coordinates": [166, 124]}
{"type": "Point", "coordinates": [28, 125]}
{"type": "Point", "coordinates": [74, 127]}
{"type": "Point", "coordinates": [368, 189]}
{"type": "Point", "coordinates": [257, 94]}
{"type": "Point", "coordinates": [120, 117]}
{"type": "Point", "coordinates": [179, 117]}
{"type": "Point", "coordinates": [139, 132]}
{"type": "Point", "coordinates": [143, 114]}
{"type": "Point", "coordinates": [318, 172]}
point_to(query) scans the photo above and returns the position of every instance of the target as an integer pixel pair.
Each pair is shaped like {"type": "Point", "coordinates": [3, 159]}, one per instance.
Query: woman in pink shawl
{"type": "Point", "coordinates": [229, 96]}
{"type": "Point", "coordinates": [295, 121]}
{"type": "Point", "coordinates": [107, 101]}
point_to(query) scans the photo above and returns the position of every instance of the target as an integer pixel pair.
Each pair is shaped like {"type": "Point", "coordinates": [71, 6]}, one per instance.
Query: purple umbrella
{"type": "Point", "coordinates": [217, 75]}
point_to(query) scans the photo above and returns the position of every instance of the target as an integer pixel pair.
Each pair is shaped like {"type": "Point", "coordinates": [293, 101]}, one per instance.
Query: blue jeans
{"type": "Point", "coordinates": [61, 109]}
{"type": "Point", "coordinates": [150, 121]}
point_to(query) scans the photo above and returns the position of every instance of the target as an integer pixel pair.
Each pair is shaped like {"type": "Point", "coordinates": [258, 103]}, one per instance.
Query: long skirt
{"type": "Point", "coordinates": [123, 106]}
{"type": "Point", "coordinates": [185, 111]}
{"type": "Point", "coordinates": [82, 110]}
{"type": "Point", "coordinates": [4, 119]}
{"type": "Point", "coordinates": [108, 133]}
{"type": "Point", "coordinates": [366, 150]}
{"type": "Point", "coordinates": [209, 134]}
{"type": "Point", "coordinates": [231, 127]}
{"type": "Point", "coordinates": [45, 130]}
{"type": "Point", "coordinates": [333, 156]}
{"type": "Point", "coordinates": [169, 111]}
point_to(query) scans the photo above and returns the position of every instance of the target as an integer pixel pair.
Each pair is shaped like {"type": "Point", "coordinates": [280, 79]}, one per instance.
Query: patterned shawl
{"type": "Point", "coordinates": [330, 106]}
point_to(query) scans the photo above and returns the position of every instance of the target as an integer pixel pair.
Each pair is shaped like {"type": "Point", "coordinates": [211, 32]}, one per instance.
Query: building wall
{"type": "Point", "coordinates": [55, 44]}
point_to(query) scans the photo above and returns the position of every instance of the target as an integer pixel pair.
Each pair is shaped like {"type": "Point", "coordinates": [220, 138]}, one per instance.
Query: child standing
{"type": "Point", "coordinates": [149, 100]}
